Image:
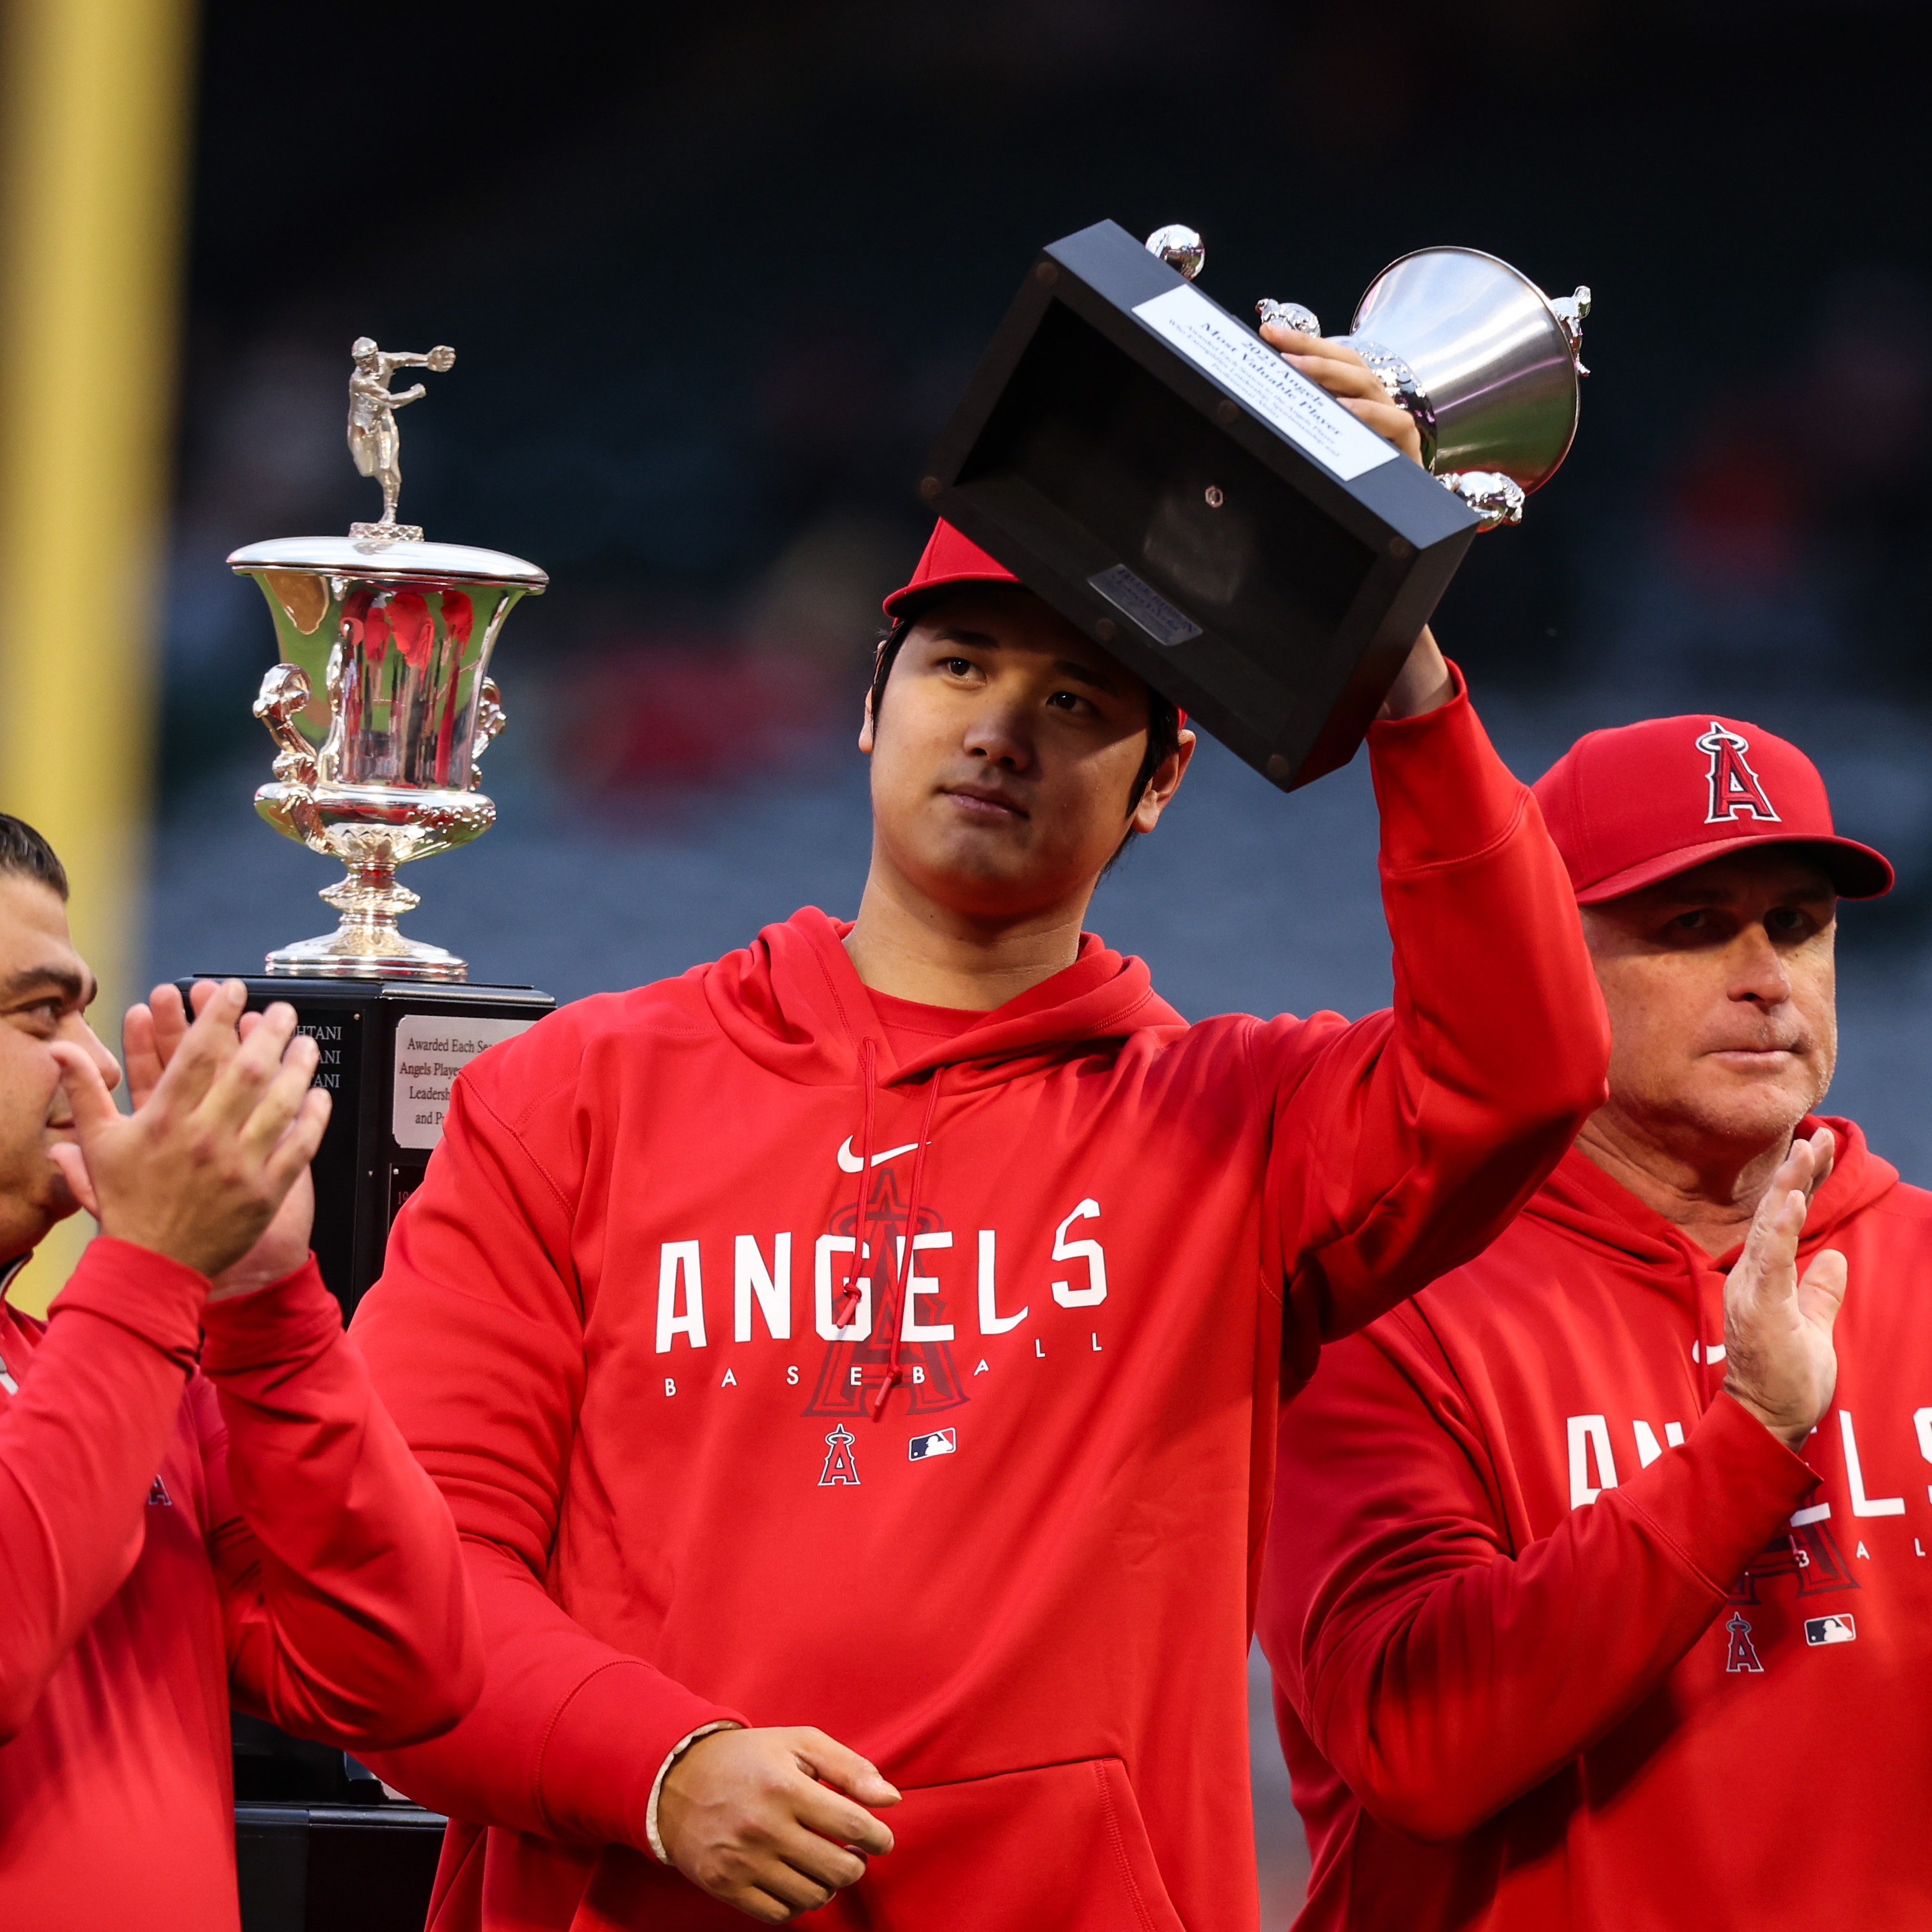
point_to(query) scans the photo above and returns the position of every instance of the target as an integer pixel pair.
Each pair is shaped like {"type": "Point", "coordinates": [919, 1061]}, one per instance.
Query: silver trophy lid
{"type": "Point", "coordinates": [378, 563]}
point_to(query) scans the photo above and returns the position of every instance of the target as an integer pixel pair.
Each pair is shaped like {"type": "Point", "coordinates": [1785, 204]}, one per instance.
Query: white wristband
{"type": "Point", "coordinates": [677, 1750]}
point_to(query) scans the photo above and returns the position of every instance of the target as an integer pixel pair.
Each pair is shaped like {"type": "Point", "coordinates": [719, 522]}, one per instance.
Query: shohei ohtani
{"type": "Point", "coordinates": [880, 1329]}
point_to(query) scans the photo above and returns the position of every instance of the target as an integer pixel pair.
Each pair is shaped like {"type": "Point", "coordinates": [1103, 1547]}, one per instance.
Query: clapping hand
{"type": "Point", "coordinates": [211, 1167]}
{"type": "Point", "coordinates": [1779, 1361]}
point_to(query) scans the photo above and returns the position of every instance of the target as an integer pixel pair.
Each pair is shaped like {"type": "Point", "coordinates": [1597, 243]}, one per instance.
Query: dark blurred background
{"type": "Point", "coordinates": [716, 274]}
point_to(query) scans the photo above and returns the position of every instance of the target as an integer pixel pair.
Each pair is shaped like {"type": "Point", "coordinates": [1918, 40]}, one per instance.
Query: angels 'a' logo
{"type": "Point", "coordinates": [839, 1467]}
{"type": "Point", "coordinates": [1743, 1654]}
{"type": "Point", "coordinates": [1735, 790]}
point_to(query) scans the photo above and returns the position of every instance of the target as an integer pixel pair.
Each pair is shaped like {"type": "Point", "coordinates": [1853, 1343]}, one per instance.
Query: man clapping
{"type": "Point", "coordinates": [170, 1538]}
{"type": "Point", "coordinates": [1597, 1588]}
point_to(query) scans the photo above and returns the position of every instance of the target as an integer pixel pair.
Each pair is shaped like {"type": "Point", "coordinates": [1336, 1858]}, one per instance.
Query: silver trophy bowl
{"type": "Point", "coordinates": [382, 705]}
{"type": "Point", "coordinates": [1487, 363]}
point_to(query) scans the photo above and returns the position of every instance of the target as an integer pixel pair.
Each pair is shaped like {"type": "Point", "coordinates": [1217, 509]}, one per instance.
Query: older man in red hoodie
{"type": "Point", "coordinates": [199, 1495]}
{"type": "Point", "coordinates": [1609, 1607]}
{"type": "Point", "coordinates": [881, 1328]}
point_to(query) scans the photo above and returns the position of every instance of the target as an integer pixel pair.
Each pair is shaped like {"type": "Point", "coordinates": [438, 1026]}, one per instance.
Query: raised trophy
{"type": "Point", "coordinates": [1164, 478]}
{"type": "Point", "coordinates": [1487, 363]}
{"type": "Point", "coordinates": [381, 705]}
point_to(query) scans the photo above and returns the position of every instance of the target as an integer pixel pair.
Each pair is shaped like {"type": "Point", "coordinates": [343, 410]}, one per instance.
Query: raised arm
{"type": "Point", "coordinates": [1441, 1670]}
{"type": "Point", "coordinates": [1404, 1143]}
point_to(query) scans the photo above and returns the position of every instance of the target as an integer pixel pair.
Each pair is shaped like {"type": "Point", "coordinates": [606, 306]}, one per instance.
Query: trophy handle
{"type": "Point", "coordinates": [1570, 311]}
{"type": "Point", "coordinates": [1297, 316]}
{"type": "Point", "coordinates": [284, 695]}
{"type": "Point", "coordinates": [1495, 498]}
{"type": "Point", "coordinates": [490, 719]}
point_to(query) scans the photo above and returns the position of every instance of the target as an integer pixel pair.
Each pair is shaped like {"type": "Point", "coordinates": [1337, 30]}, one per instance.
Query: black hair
{"type": "Point", "coordinates": [1163, 718]}
{"type": "Point", "coordinates": [26, 855]}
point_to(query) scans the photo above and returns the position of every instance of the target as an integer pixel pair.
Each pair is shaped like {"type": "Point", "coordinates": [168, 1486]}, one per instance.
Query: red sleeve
{"type": "Point", "coordinates": [475, 1335]}
{"type": "Point", "coordinates": [1407, 1142]}
{"type": "Point", "coordinates": [1441, 1671]}
{"type": "Point", "coordinates": [348, 1612]}
{"type": "Point", "coordinates": [79, 1447]}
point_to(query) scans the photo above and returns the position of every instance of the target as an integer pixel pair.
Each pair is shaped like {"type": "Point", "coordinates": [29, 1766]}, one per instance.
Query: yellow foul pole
{"type": "Point", "coordinates": [93, 98]}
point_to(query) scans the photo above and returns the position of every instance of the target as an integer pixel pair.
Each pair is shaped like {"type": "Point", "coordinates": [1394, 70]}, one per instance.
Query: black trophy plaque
{"type": "Point", "coordinates": [390, 1048]}
{"type": "Point", "coordinates": [1154, 470]}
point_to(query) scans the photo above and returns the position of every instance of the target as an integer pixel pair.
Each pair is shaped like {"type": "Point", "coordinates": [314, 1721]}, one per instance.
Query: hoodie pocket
{"type": "Point", "coordinates": [1061, 1847]}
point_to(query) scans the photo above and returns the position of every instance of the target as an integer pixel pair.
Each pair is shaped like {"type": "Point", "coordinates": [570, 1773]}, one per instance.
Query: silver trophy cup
{"type": "Point", "coordinates": [1487, 363]}
{"type": "Point", "coordinates": [381, 703]}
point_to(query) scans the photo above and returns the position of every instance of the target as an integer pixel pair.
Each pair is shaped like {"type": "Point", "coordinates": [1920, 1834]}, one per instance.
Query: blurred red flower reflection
{"type": "Point", "coordinates": [412, 626]}
{"type": "Point", "coordinates": [458, 615]}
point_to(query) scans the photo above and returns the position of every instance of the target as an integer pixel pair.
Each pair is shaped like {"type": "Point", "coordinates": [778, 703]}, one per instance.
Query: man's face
{"type": "Point", "coordinates": [45, 988]}
{"type": "Point", "coordinates": [1721, 986]}
{"type": "Point", "coordinates": [1004, 757]}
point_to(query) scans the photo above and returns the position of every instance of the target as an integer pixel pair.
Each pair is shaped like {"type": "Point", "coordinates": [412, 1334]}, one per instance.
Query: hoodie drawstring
{"type": "Point", "coordinates": [1700, 1352]}
{"type": "Point", "coordinates": [848, 1296]}
{"type": "Point", "coordinates": [1707, 1351]}
{"type": "Point", "coordinates": [895, 1375]}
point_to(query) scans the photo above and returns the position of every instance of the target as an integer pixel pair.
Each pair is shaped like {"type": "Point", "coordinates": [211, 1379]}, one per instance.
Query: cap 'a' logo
{"type": "Point", "coordinates": [1736, 791]}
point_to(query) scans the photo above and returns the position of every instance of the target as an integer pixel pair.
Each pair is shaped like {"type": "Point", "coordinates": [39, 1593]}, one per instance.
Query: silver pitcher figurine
{"type": "Point", "coordinates": [381, 704]}
{"type": "Point", "coordinates": [1487, 364]}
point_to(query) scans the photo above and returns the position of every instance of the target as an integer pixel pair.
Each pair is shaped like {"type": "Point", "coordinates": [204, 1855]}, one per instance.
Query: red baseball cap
{"type": "Point", "coordinates": [950, 557]}
{"type": "Point", "coordinates": [1630, 806]}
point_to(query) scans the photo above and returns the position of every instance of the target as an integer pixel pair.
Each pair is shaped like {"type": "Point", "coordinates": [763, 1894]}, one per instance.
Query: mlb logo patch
{"type": "Point", "coordinates": [938, 1442]}
{"type": "Point", "coordinates": [1831, 1630]}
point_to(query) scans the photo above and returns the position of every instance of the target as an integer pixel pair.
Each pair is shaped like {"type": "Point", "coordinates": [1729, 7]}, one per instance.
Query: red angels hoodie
{"type": "Point", "coordinates": [1564, 1638]}
{"type": "Point", "coordinates": [929, 1396]}
{"type": "Point", "coordinates": [168, 1536]}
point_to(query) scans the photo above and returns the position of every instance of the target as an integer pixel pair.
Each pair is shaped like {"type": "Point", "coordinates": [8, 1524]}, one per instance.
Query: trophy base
{"type": "Point", "coordinates": [367, 945]}
{"type": "Point", "coordinates": [366, 952]}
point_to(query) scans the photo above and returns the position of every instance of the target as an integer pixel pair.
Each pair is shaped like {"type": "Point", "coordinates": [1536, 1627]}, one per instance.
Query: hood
{"type": "Point", "coordinates": [792, 1001]}
{"type": "Point", "coordinates": [1586, 1204]}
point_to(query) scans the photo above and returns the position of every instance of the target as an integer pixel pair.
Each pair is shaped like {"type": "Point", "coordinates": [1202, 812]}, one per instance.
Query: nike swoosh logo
{"type": "Point", "coordinates": [851, 1164]}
